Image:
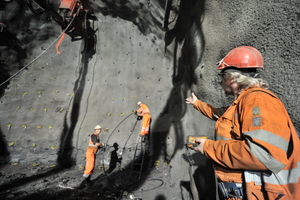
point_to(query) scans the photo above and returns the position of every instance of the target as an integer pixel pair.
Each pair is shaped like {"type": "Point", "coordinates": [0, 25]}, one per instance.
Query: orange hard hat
{"type": "Point", "coordinates": [242, 57]}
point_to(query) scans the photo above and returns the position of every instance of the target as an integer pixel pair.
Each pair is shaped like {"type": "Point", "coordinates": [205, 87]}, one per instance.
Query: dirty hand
{"type": "Point", "coordinates": [200, 147]}
{"type": "Point", "coordinates": [191, 99]}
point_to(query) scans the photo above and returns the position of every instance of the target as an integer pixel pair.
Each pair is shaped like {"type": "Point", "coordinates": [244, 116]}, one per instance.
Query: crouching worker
{"type": "Point", "coordinates": [94, 145]}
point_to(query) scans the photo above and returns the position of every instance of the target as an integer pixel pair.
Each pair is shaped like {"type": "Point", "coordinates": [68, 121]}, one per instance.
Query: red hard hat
{"type": "Point", "coordinates": [242, 57]}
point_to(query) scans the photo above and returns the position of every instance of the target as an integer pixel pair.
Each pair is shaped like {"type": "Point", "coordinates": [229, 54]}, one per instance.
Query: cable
{"type": "Point", "coordinates": [40, 54]}
{"type": "Point", "coordinates": [130, 134]}
{"type": "Point", "coordinates": [118, 126]}
{"type": "Point", "coordinates": [152, 179]}
{"type": "Point", "coordinates": [105, 148]}
{"type": "Point", "coordinates": [91, 88]}
{"type": "Point", "coordinates": [106, 175]}
{"type": "Point", "coordinates": [123, 188]}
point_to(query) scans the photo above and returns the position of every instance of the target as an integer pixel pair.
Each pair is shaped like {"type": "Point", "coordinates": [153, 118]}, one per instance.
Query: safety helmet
{"type": "Point", "coordinates": [97, 127]}
{"type": "Point", "coordinates": [138, 103]}
{"type": "Point", "coordinates": [242, 57]}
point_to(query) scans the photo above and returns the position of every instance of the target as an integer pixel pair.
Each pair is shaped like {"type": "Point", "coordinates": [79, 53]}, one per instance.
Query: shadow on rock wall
{"type": "Point", "coordinates": [189, 44]}
{"type": "Point", "coordinates": [134, 11]}
{"type": "Point", "coordinates": [3, 146]}
{"type": "Point", "coordinates": [188, 37]}
{"type": "Point", "coordinates": [66, 148]}
{"type": "Point", "coordinates": [64, 159]}
{"type": "Point", "coordinates": [4, 71]}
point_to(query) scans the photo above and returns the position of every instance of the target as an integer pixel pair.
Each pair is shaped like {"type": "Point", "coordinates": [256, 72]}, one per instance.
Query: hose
{"type": "Point", "coordinates": [118, 126]}
{"type": "Point", "coordinates": [40, 54]}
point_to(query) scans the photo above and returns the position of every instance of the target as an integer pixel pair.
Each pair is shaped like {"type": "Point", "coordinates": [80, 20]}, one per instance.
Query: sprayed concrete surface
{"type": "Point", "coordinates": [48, 109]}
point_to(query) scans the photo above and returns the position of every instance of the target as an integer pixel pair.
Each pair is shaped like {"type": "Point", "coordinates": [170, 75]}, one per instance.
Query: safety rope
{"type": "Point", "coordinates": [26, 66]}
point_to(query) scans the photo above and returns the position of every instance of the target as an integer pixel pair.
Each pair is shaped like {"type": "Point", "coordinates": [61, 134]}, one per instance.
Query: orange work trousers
{"type": "Point", "coordinates": [90, 159]}
{"type": "Point", "coordinates": [146, 124]}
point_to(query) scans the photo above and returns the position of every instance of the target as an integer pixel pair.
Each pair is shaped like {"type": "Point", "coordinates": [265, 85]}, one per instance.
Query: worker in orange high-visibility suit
{"type": "Point", "coordinates": [144, 112]}
{"type": "Point", "coordinates": [257, 150]}
{"type": "Point", "coordinates": [94, 145]}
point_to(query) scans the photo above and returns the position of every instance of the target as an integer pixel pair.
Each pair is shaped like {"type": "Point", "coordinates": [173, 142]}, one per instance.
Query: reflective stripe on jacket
{"type": "Point", "coordinates": [91, 143]}
{"type": "Point", "coordinates": [90, 156]}
{"type": "Point", "coordinates": [255, 136]}
{"type": "Point", "coordinates": [143, 110]}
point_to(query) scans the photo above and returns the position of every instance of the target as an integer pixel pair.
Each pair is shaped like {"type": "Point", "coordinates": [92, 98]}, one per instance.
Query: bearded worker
{"type": "Point", "coordinates": [257, 151]}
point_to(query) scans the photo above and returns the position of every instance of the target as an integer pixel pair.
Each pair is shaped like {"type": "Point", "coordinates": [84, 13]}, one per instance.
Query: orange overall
{"type": "Point", "coordinates": [90, 157]}
{"type": "Point", "coordinates": [145, 113]}
{"type": "Point", "coordinates": [257, 145]}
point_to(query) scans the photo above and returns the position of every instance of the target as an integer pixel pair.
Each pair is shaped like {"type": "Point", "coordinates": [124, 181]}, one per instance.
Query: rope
{"type": "Point", "coordinates": [40, 54]}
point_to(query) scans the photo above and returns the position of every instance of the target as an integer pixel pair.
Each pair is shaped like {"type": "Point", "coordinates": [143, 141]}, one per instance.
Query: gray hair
{"type": "Point", "coordinates": [245, 82]}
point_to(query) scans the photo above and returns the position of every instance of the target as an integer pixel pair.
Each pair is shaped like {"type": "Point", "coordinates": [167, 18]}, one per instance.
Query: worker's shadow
{"type": "Point", "coordinates": [114, 159]}
{"type": "Point", "coordinates": [90, 42]}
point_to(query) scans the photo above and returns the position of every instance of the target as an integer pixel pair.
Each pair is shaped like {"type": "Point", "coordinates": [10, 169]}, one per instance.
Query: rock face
{"type": "Point", "coordinates": [151, 51]}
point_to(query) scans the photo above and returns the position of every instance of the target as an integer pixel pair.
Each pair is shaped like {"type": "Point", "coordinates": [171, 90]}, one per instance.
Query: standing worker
{"type": "Point", "coordinates": [257, 151]}
{"type": "Point", "coordinates": [144, 112]}
{"type": "Point", "coordinates": [94, 145]}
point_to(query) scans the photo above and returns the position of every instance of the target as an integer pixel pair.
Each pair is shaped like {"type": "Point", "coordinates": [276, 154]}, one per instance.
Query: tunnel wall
{"type": "Point", "coordinates": [50, 108]}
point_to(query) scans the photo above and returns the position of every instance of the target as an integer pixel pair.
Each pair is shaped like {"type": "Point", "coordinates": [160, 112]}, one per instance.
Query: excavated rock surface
{"type": "Point", "coordinates": [50, 107]}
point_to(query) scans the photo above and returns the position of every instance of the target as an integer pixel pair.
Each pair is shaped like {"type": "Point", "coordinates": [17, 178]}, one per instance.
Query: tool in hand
{"type": "Point", "coordinates": [191, 141]}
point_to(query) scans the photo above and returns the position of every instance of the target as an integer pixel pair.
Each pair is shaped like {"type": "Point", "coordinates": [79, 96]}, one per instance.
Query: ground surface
{"type": "Point", "coordinates": [51, 182]}
{"type": "Point", "coordinates": [132, 54]}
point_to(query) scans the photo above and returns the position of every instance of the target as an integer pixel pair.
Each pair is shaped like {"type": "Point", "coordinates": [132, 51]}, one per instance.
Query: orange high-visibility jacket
{"type": "Point", "coordinates": [257, 144]}
{"type": "Point", "coordinates": [90, 156]}
{"type": "Point", "coordinates": [145, 112]}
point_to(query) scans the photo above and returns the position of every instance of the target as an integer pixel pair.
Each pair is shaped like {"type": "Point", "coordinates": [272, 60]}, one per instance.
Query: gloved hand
{"type": "Point", "coordinates": [139, 118]}
{"type": "Point", "coordinates": [104, 145]}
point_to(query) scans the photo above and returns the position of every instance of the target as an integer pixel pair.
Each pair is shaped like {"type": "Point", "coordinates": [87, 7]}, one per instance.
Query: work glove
{"type": "Point", "coordinates": [104, 145]}
{"type": "Point", "coordinates": [139, 117]}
